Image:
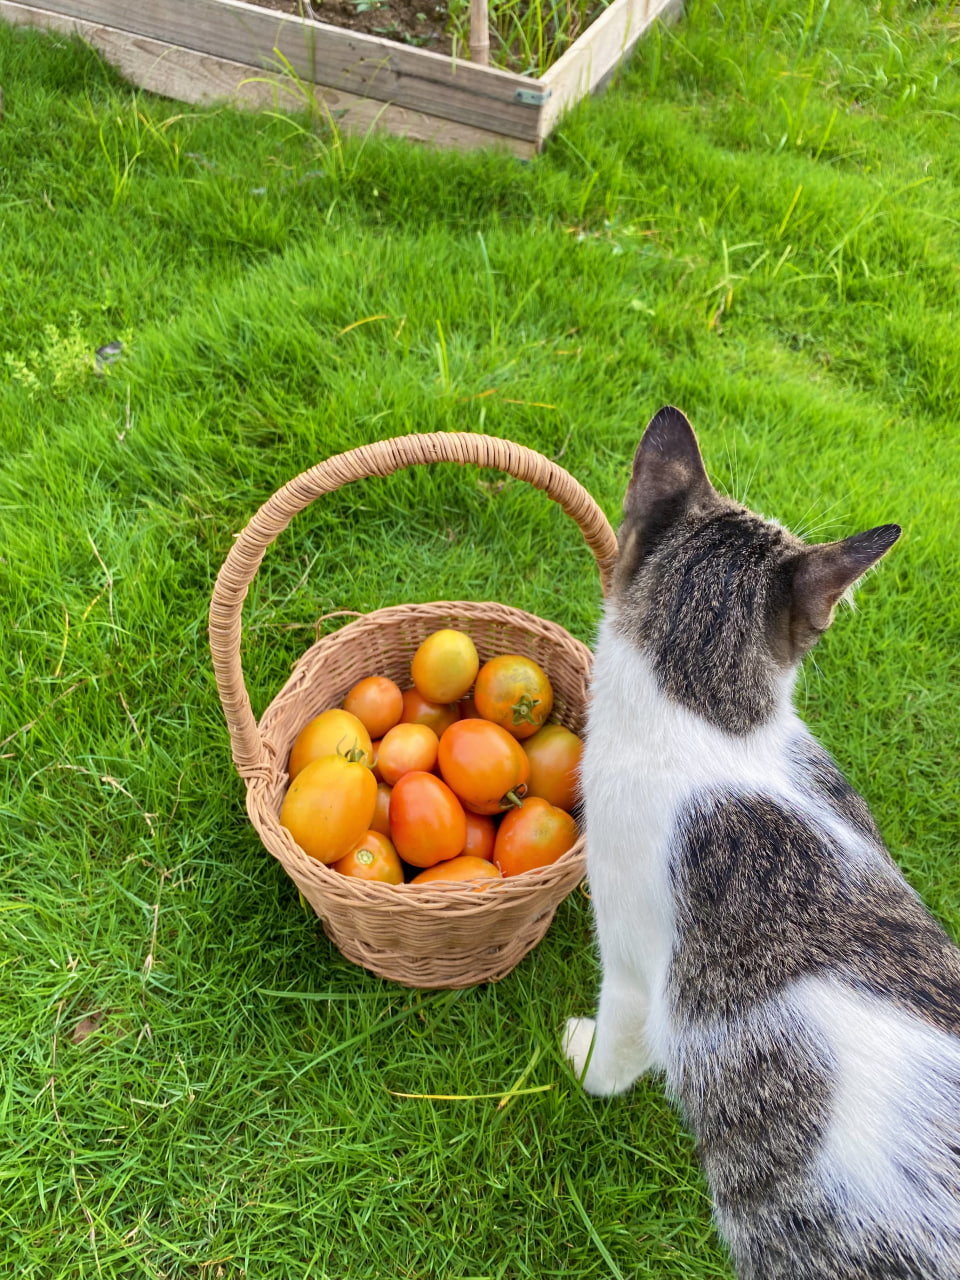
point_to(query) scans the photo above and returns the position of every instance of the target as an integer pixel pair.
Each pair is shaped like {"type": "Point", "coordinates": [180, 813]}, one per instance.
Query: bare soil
{"type": "Point", "coordinates": [416, 22]}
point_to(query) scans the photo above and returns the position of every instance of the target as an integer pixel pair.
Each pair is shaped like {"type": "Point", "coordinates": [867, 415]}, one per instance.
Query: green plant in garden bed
{"type": "Point", "coordinates": [756, 224]}
{"type": "Point", "coordinates": [527, 35]}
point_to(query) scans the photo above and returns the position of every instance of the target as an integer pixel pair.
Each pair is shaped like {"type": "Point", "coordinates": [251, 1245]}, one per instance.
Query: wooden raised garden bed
{"type": "Point", "coordinates": [208, 50]}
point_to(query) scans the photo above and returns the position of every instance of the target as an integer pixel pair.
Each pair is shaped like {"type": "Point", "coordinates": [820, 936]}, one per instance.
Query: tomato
{"type": "Point", "coordinates": [331, 733]}
{"type": "Point", "coordinates": [404, 748]}
{"type": "Point", "coordinates": [515, 693]}
{"type": "Point", "coordinates": [377, 703]}
{"type": "Point", "coordinates": [373, 858]}
{"type": "Point", "coordinates": [328, 806]}
{"type": "Point", "coordinates": [381, 814]}
{"type": "Point", "coordinates": [554, 754]}
{"type": "Point", "coordinates": [467, 709]}
{"type": "Point", "coordinates": [481, 834]}
{"type": "Point", "coordinates": [460, 869]}
{"type": "Point", "coordinates": [535, 835]}
{"type": "Point", "coordinates": [427, 821]}
{"type": "Point", "coordinates": [445, 666]}
{"type": "Point", "coordinates": [483, 765]}
{"type": "Point", "coordinates": [435, 715]}
{"type": "Point", "coordinates": [375, 750]}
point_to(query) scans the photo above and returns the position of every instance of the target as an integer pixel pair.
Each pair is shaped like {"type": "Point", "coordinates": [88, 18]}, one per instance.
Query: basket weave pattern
{"type": "Point", "coordinates": [432, 935]}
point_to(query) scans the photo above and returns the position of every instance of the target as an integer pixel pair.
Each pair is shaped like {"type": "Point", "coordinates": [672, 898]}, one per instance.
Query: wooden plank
{"type": "Point", "coordinates": [595, 55]}
{"type": "Point", "coordinates": [194, 77]}
{"type": "Point", "coordinates": [367, 66]}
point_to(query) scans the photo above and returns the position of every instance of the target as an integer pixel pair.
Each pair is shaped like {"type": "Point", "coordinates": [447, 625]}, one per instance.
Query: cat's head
{"type": "Point", "coordinates": [722, 601]}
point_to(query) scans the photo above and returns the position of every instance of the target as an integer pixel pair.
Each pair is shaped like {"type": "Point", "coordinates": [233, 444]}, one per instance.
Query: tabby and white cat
{"type": "Point", "coordinates": [758, 944]}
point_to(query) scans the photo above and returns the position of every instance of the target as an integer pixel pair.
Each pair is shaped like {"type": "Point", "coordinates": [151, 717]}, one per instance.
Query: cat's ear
{"type": "Point", "coordinates": [825, 572]}
{"type": "Point", "coordinates": [668, 471]}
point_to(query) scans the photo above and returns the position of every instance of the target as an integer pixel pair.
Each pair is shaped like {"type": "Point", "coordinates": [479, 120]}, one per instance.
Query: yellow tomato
{"type": "Point", "coordinates": [329, 806]}
{"type": "Point", "coordinates": [332, 733]}
{"type": "Point", "coordinates": [445, 666]}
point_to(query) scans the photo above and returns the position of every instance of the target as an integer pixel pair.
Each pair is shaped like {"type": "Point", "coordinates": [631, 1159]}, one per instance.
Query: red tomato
{"type": "Point", "coordinates": [514, 692]}
{"type": "Point", "coordinates": [554, 754]}
{"type": "Point", "coordinates": [377, 703]}
{"type": "Point", "coordinates": [484, 765]}
{"type": "Point", "coordinates": [374, 858]}
{"type": "Point", "coordinates": [404, 748]}
{"type": "Point", "coordinates": [467, 709]}
{"type": "Point", "coordinates": [459, 869]}
{"type": "Point", "coordinates": [535, 835]}
{"type": "Point", "coordinates": [481, 834]}
{"type": "Point", "coordinates": [381, 814]}
{"type": "Point", "coordinates": [436, 715]}
{"type": "Point", "coordinates": [427, 821]}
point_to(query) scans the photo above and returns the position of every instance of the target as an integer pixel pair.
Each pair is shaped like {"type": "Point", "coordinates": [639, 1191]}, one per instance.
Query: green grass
{"type": "Point", "coordinates": [759, 223]}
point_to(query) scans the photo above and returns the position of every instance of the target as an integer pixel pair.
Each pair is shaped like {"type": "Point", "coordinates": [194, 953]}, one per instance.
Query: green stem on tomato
{"type": "Point", "coordinates": [523, 710]}
{"type": "Point", "coordinates": [514, 798]}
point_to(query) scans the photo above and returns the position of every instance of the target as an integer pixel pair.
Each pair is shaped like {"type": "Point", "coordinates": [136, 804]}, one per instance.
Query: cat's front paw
{"type": "Point", "coordinates": [577, 1043]}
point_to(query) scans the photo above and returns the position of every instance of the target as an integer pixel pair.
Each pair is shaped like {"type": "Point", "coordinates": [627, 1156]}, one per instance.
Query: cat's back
{"type": "Point", "coordinates": [814, 1007]}
{"type": "Point", "coordinates": [805, 1006]}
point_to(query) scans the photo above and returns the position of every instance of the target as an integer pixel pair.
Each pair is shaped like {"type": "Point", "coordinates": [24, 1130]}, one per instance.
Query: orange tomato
{"type": "Point", "coordinates": [377, 703]}
{"type": "Point", "coordinates": [427, 822]}
{"type": "Point", "coordinates": [331, 733]}
{"type": "Point", "coordinates": [328, 806]}
{"type": "Point", "coordinates": [483, 765]}
{"type": "Point", "coordinates": [404, 748]}
{"type": "Point", "coordinates": [554, 754]}
{"type": "Point", "coordinates": [381, 814]}
{"type": "Point", "coordinates": [514, 692]}
{"type": "Point", "coordinates": [481, 834]}
{"type": "Point", "coordinates": [461, 869]}
{"type": "Point", "coordinates": [373, 858]}
{"type": "Point", "coordinates": [445, 666]}
{"type": "Point", "coordinates": [535, 835]}
{"type": "Point", "coordinates": [435, 715]}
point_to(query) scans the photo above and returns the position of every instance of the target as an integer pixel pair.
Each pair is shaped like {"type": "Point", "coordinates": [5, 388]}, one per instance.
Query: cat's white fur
{"type": "Point", "coordinates": [889, 1064]}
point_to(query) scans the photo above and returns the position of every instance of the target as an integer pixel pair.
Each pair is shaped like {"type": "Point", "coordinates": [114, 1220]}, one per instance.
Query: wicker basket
{"type": "Point", "coordinates": [432, 935]}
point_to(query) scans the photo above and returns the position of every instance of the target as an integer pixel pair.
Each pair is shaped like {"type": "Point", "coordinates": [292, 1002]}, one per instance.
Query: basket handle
{"type": "Point", "coordinates": [381, 458]}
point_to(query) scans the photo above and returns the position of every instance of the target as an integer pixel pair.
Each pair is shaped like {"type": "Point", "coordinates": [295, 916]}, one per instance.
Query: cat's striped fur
{"type": "Point", "coordinates": [759, 946]}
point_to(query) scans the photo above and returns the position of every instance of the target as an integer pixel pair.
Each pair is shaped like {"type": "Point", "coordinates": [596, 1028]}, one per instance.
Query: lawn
{"type": "Point", "coordinates": [760, 223]}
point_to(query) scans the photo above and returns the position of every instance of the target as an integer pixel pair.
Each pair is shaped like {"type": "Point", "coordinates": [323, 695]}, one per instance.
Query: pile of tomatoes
{"type": "Point", "coordinates": [461, 777]}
